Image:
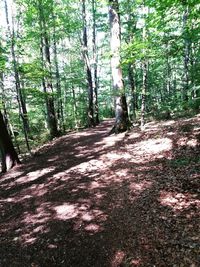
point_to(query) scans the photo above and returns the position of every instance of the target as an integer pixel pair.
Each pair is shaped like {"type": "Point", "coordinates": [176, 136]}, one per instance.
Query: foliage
{"type": "Point", "coordinates": [171, 50]}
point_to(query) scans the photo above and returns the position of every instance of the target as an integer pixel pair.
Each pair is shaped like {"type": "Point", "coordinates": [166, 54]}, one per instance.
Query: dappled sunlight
{"type": "Point", "coordinates": [61, 176]}
{"type": "Point", "coordinates": [90, 219]}
{"type": "Point", "coordinates": [35, 175]}
{"type": "Point", "coordinates": [35, 223]}
{"type": "Point", "coordinates": [178, 201]}
{"type": "Point", "coordinates": [35, 190]}
{"type": "Point", "coordinates": [192, 143]}
{"type": "Point", "coordinates": [95, 185]}
{"type": "Point", "coordinates": [196, 128]}
{"type": "Point", "coordinates": [93, 228]}
{"type": "Point", "coordinates": [155, 126]}
{"type": "Point", "coordinates": [118, 258]}
{"type": "Point", "coordinates": [138, 188]}
{"type": "Point", "coordinates": [167, 123]}
{"type": "Point", "coordinates": [151, 146]}
{"type": "Point", "coordinates": [9, 177]}
{"type": "Point", "coordinates": [150, 128]}
{"type": "Point", "coordinates": [170, 134]}
{"type": "Point", "coordinates": [111, 140]}
{"type": "Point", "coordinates": [122, 173]}
{"type": "Point", "coordinates": [155, 146]}
{"type": "Point", "coordinates": [116, 195]}
{"type": "Point", "coordinates": [91, 165]}
{"type": "Point", "coordinates": [66, 211]}
{"type": "Point", "coordinates": [185, 141]}
{"type": "Point", "coordinates": [117, 156]}
{"type": "Point", "coordinates": [133, 135]}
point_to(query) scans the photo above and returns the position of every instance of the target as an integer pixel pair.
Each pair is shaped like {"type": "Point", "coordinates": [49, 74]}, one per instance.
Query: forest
{"type": "Point", "coordinates": [99, 133]}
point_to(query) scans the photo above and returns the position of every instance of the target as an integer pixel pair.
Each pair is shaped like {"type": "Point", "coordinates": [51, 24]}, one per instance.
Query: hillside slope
{"type": "Point", "coordinates": [89, 199]}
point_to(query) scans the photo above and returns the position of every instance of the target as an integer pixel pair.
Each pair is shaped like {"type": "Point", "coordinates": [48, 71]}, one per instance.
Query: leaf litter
{"type": "Point", "coordinates": [90, 199]}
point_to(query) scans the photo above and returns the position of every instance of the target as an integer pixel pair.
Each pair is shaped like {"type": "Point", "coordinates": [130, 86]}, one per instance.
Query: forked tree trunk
{"type": "Point", "coordinates": [9, 156]}
{"type": "Point", "coordinates": [121, 111]}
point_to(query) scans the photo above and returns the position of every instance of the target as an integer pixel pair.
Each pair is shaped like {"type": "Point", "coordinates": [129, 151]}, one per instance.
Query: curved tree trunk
{"type": "Point", "coordinates": [121, 111]}
{"type": "Point", "coordinates": [9, 156]}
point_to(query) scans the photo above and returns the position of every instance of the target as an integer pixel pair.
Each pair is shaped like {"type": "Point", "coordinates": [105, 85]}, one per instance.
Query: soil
{"type": "Point", "coordinates": [90, 199]}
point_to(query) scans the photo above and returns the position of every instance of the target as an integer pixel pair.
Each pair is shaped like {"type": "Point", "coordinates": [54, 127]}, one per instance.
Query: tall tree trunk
{"type": "Point", "coordinates": [132, 22]}
{"type": "Point", "coordinates": [5, 113]}
{"type": "Point", "coordinates": [193, 70]}
{"type": "Point", "coordinates": [75, 107]}
{"type": "Point", "coordinates": [91, 121]}
{"type": "Point", "coordinates": [133, 95]}
{"type": "Point", "coordinates": [3, 100]}
{"type": "Point", "coordinates": [60, 114]}
{"type": "Point", "coordinates": [121, 111]}
{"type": "Point", "coordinates": [21, 102]}
{"type": "Point", "coordinates": [185, 87]}
{"type": "Point", "coordinates": [144, 91]}
{"type": "Point", "coordinates": [145, 71]}
{"type": "Point", "coordinates": [94, 42]}
{"type": "Point", "coordinates": [9, 156]}
{"type": "Point", "coordinates": [47, 80]}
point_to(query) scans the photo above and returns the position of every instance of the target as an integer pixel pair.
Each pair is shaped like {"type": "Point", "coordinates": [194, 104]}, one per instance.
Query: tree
{"type": "Point", "coordinates": [95, 76]}
{"type": "Point", "coordinates": [145, 70]}
{"type": "Point", "coordinates": [20, 98]}
{"type": "Point", "coordinates": [9, 156]}
{"type": "Point", "coordinates": [91, 121]}
{"type": "Point", "coordinates": [47, 80]}
{"type": "Point", "coordinates": [121, 111]}
{"type": "Point", "coordinates": [186, 56]}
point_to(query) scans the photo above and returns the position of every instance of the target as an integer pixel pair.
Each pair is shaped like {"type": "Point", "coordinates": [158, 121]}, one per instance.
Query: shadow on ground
{"type": "Point", "coordinates": [89, 199]}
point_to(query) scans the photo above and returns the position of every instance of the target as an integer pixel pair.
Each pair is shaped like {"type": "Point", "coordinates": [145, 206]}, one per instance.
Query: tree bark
{"type": "Point", "coordinates": [132, 22]}
{"type": "Point", "coordinates": [47, 80]}
{"type": "Point", "coordinates": [9, 156]}
{"type": "Point", "coordinates": [185, 87]}
{"type": "Point", "coordinates": [60, 114]}
{"type": "Point", "coordinates": [94, 42]}
{"type": "Point", "coordinates": [75, 107]}
{"type": "Point", "coordinates": [144, 90]}
{"type": "Point", "coordinates": [121, 111]}
{"type": "Point", "coordinates": [133, 95]}
{"type": "Point", "coordinates": [145, 73]}
{"type": "Point", "coordinates": [91, 121]}
{"type": "Point", "coordinates": [20, 99]}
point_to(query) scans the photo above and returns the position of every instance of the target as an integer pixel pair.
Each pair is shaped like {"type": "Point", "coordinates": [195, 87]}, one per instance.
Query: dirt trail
{"type": "Point", "coordinates": [89, 199]}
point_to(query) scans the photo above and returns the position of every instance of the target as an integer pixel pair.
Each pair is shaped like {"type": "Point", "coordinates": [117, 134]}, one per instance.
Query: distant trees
{"type": "Point", "coordinates": [55, 71]}
{"type": "Point", "coordinates": [9, 156]}
{"type": "Point", "coordinates": [47, 66]}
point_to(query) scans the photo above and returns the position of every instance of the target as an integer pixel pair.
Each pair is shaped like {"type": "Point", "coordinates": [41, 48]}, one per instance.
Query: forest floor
{"type": "Point", "coordinates": [90, 199]}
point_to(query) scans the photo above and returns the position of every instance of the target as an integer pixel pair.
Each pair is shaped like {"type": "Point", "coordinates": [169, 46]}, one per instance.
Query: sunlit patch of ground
{"type": "Point", "coordinates": [90, 199]}
{"type": "Point", "coordinates": [178, 201]}
{"type": "Point", "coordinates": [151, 146]}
